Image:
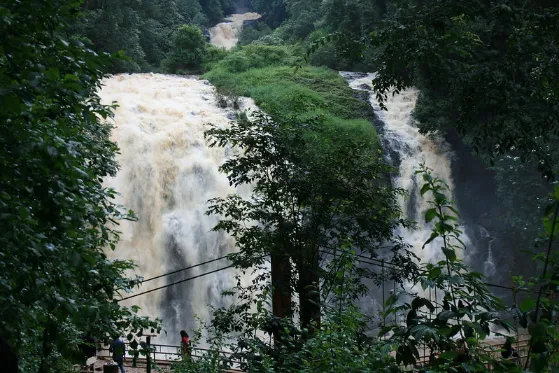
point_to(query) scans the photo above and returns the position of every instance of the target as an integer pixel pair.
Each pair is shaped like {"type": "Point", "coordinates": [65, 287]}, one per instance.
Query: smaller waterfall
{"type": "Point", "coordinates": [489, 268]}
{"type": "Point", "coordinates": [226, 34]}
{"type": "Point", "coordinates": [401, 137]}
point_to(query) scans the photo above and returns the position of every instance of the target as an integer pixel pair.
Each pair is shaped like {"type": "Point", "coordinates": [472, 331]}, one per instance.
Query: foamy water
{"type": "Point", "coordinates": [226, 34]}
{"type": "Point", "coordinates": [167, 174]}
{"type": "Point", "coordinates": [401, 135]}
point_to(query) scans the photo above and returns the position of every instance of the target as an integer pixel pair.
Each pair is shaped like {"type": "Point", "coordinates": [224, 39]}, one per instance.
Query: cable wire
{"type": "Point", "coordinates": [175, 283]}
{"type": "Point", "coordinates": [185, 269]}
{"type": "Point", "coordinates": [394, 266]}
{"type": "Point", "coordinates": [371, 261]}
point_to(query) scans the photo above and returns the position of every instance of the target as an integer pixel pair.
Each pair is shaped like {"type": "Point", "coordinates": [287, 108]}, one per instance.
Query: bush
{"type": "Point", "coordinates": [213, 55]}
{"type": "Point", "coordinates": [237, 63]}
{"type": "Point", "coordinates": [257, 56]}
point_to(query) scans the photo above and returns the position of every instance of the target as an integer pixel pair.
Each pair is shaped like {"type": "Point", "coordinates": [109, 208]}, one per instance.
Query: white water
{"type": "Point", "coordinates": [489, 267]}
{"type": "Point", "coordinates": [167, 174]}
{"type": "Point", "coordinates": [413, 149]}
{"type": "Point", "coordinates": [226, 34]}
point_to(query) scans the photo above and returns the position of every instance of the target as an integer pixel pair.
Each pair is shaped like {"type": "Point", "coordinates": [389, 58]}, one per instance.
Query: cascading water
{"type": "Point", "coordinates": [412, 148]}
{"type": "Point", "coordinates": [226, 34]}
{"type": "Point", "coordinates": [489, 268]}
{"type": "Point", "coordinates": [167, 175]}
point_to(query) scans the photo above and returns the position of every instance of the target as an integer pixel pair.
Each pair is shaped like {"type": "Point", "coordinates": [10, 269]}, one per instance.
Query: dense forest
{"type": "Point", "coordinates": [322, 210]}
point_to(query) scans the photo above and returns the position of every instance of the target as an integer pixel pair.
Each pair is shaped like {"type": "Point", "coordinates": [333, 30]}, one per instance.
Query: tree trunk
{"type": "Point", "coordinates": [281, 283]}
{"type": "Point", "coordinates": [309, 293]}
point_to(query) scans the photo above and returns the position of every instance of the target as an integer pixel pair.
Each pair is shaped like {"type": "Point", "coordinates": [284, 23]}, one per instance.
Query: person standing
{"type": "Point", "coordinates": [118, 348]}
{"type": "Point", "coordinates": [185, 343]}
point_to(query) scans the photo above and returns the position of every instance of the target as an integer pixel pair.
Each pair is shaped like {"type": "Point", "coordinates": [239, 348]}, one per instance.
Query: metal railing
{"type": "Point", "coordinates": [162, 354]}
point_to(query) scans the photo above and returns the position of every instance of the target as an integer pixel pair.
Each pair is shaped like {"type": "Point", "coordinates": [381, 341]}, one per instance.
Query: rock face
{"type": "Point", "coordinates": [495, 244]}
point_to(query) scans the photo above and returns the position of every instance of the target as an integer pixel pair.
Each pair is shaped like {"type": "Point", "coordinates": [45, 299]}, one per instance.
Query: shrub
{"type": "Point", "coordinates": [257, 56]}
{"type": "Point", "coordinates": [213, 55]}
{"type": "Point", "coordinates": [237, 63]}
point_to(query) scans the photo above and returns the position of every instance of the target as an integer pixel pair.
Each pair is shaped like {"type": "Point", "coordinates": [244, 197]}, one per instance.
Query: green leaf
{"type": "Point", "coordinates": [450, 254]}
{"type": "Point", "coordinates": [434, 273]}
{"type": "Point", "coordinates": [425, 188]}
{"type": "Point", "coordinates": [431, 238]}
{"type": "Point", "coordinates": [419, 302]}
{"type": "Point", "coordinates": [430, 215]}
{"type": "Point", "coordinates": [449, 355]}
{"type": "Point", "coordinates": [551, 227]}
{"type": "Point", "coordinates": [446, 315]}
{"type": "Point", "coordinates": [424, 332]}
{"type": "Point", "coordinates": [527, 305]}
{"type": "Point", "coordinates": [23, 212]}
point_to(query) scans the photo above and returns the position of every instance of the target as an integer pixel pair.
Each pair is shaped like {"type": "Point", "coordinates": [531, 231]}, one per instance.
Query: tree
{"type": "Point", "coordinates": [453, 325]}
{"type": "Point", "coordinates": [212, 9]}
{"type": "Point", "coordinates": [189, 50]}
{"type": "Point", "coordinates": [315, 188]}
{"type": "Point", "coordinates": [113, 26]}
{"type": "Point", "coordinates": [56, 283]}
{"type": "Point", "coordinates": [273, 11]}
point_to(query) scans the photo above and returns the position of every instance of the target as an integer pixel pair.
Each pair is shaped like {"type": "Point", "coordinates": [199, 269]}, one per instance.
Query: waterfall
{"type": "Point", "coordinates": [167, 174]}
{"type": "Point", "coordinates": [226, 34]}
{"type": "Point", "coordinates": [489, 268]}
{"type": "Point", "coordinates": [411, 148]}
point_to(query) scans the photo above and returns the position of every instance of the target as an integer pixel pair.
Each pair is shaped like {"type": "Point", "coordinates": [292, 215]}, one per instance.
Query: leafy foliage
{"type": "Point", "coordinates": [539, 314]}
{"type": "Point", "coordinates": [56, 283]}
{"type": "Point", "coordinates": [253, 32]}
{"type": "Point", "coordinates": [295, 21]}
{"type": "Point", "coordinates": [273, 11]}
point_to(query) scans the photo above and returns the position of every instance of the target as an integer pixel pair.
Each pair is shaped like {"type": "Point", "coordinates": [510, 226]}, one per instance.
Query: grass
{"type": "Point", "coordinates": [268, 75]}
